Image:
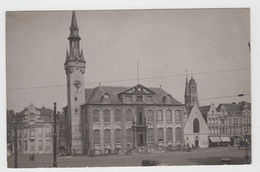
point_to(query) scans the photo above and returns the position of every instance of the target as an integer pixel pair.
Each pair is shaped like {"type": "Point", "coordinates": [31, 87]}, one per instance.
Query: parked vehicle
{"type": "Point", "coordinates": [150, 163]}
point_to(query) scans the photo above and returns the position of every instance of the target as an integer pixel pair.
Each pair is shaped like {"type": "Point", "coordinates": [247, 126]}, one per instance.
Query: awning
{"type": "Point", "coordinates": [214, 139]}
{"type": "Point", "coordinates": [225, 139]}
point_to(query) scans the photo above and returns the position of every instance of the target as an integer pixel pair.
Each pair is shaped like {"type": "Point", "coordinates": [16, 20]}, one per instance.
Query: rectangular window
{"type": "Point", "coordinates": [150, 115]}
{"type": "Point", "coordinates": [118, 135]}
{"type": "Point", "coordinates": [106, 116]}
{"type": "Point", "coordinates": [169, 134]}
{"type": "Point", "coordinates": [159, 115]}
{"type": "Point", "coordinates": [129, 116]}
{"type": "Point", "coordinates": [139, 98]}
{"type": "Point", "coordinates": [150, 135]}
{"type": "Point", "coordinates": [75, 98]}
{"type": "Point", "coordinates": [178, 116]}
{"type": "Point", "coordinates": [96, 116]}
{"type": "Point", "coordinates": [117, 116]}
{"type": "Point", "coordinates": [96, 136]}
{"type": "Point", "coordinates": [107, 136]}
{"type": "Point", "coordinates": [129, 135]}
{"type": "Point", "coordinates": [76, 110]}
{"type": "Point", "coordinates": [178, 133]}
{"type": "Point", "coordinates": [169, 116]}
{"type": "Point", "coordinates": [160, 134]}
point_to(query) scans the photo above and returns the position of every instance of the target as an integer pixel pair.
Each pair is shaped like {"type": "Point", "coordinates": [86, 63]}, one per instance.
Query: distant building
{"type": "Point", "coordinates": [235, 121]}
{"type": "Point", "coordinates": [229, 123]}
{"type": "Point", "coordinates": [106, 119]}
{"type": "Point", "coordinates": [10, 116]}
{"type": "Point", "coordinates": [195, 128]}
{"type": "Point", "coordinates": [34, 130]}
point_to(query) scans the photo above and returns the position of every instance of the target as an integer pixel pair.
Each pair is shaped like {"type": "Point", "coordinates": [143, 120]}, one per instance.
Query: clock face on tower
{"type": "Point", "coordinates": [77, 84]}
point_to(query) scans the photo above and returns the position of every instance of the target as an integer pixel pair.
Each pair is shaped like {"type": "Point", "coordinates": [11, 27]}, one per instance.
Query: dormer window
{"type": "Point", "coordinates": [105, 98]}
{"type": "Point", "coordinates": [167, 98]}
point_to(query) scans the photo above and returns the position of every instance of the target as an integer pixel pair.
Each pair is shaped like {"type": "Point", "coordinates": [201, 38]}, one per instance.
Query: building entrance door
{"type": "Point", "coordinates": [140, 138]}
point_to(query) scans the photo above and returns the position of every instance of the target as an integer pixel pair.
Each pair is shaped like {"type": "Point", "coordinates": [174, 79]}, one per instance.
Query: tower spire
{"type": "Point", "coordinates": [74, 30]}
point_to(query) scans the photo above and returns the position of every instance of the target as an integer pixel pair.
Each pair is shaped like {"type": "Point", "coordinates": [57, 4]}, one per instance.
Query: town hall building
{"type": "Point", "coordinates": [110, 119]}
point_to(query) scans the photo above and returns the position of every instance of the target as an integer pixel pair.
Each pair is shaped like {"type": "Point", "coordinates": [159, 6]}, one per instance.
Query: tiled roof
{"type": "Point", "coordinates": [44, 110]}
{"type": "Point", "coordinates": [45, 114]}
{"type": "Point", "coordinates": [94, 95]}
{"type": "Point", "coordinates": [189, 109]}
{"type": "Point", "coordinates": [230, 107]}
{"type": "Point", "coordinates": [204, 110]}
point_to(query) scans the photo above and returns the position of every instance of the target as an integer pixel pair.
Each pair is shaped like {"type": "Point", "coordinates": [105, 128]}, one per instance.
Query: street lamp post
{"type": "Point", "coordinates": [54, 138]}
{"type": "Point", "coordinates": [15, 142]}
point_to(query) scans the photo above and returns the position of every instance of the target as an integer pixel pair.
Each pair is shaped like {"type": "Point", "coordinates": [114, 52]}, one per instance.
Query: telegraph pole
{"type": "Point", "coordinates": [54, 138]}
{"type": "Point", "coordinates": [15, 142]}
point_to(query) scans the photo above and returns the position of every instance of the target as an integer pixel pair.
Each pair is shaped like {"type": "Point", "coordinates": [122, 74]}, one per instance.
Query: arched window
{"type": "Point", "coordinates": [118, 135]}
{"type": "Point", "coordinates": [169, 134]}
{"type": "Point", "coordinates": [150, 135]}
{"type": "Point", "coordinates": [96, 116]}
{"type": "Point", "coordinates": [107, 136]}
{"type": "Point", "coordinates": [96, 136]}
{"type": "Point", "coordinates": [129, 116]}
{"type": "Point", "coordinates": [177, 115]}
{"type": "Point", "coordinates": [168, 115]}
{"type": "Point", "coordinates": [159, 115]}
{"type": "Point", "coordinates": [117, 116]}
{"type": "Point", "coordinates": [129, 135]}
{"type": "Point", "coordinates": [178, 133]}
{"type": "Point", "coordinates": [196, 126]}
{"type": "Point", "coordinates": [106, 115]}
{"type": "Point", "coordinates": [160, 134]}
{"type": "Point", "coordinates": [150, 115]}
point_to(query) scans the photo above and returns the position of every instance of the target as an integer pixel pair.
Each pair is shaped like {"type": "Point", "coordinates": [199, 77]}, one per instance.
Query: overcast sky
{"type": "Point", "coordinates": [166, 42]}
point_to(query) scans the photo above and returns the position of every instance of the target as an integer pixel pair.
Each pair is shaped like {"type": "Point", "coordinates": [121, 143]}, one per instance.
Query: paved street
{"type": "Point", "coordinates": [207, 156]}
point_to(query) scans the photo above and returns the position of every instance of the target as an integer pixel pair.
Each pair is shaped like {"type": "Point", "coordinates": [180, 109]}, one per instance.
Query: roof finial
{"type": "Point", "coordinates": [137, 71]}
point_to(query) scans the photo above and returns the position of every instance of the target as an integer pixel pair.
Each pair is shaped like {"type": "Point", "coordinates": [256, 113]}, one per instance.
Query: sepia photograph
{"type": "Point", "coordinates": [125, 88]}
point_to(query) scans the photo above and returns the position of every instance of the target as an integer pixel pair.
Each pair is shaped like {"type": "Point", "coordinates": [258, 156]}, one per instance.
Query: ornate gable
{"type": "Point", "coordinates": [138, 89]}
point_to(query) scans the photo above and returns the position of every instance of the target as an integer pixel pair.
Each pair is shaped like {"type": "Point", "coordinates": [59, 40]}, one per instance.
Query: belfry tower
{"type": "Point", "coordinates": [191, 94]}
{"type": "Point", "coordinates": [75, 66]}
